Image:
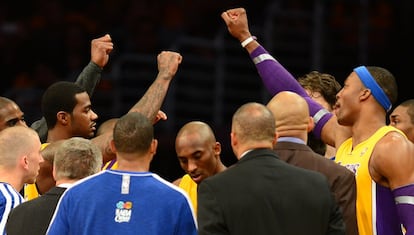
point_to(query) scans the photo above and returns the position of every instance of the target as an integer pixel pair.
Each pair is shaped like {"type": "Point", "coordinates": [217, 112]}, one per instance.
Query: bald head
{"type": "Point", "coordinates": [197, 150]}
{"type": "Point", "coordinates": [5, 101]}
{"type": "Point", "coordinates": [15, 142]}
{"type": "Point", "coordinates": [253, 122]}
{"type": "Point", "coordinates": [195, 130]}
{"type": "Point", "coordinates": [291, 112]}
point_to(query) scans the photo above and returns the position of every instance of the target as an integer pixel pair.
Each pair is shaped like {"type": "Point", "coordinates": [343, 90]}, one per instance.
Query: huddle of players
{"type": "Point", "coordinates": [263, 138]}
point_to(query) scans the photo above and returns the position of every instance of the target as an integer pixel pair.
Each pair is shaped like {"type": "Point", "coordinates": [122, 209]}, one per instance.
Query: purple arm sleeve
{"type": "Point", "coordinates": [404, 199]}
{"type": "Point", "coordinates": [274, 76]}
{"type": "Point", "coordinates": [276, 79]}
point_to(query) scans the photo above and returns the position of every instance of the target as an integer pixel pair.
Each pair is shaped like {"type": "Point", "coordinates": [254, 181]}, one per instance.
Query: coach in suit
{"type": "Point", "coordinates": [261, 194]}
{"type": "Point", "coordinates": [73, 159]}
{"type": "Point", "coordinates": [292, 127]}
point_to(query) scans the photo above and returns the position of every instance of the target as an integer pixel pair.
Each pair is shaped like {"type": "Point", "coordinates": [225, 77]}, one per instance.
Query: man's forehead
{"type": "Point", "coordinates": [10, 111]}
{"type": "Point", "coordinates": [399, 111]}
{"type": "Point", "coordinates": [83, 98]}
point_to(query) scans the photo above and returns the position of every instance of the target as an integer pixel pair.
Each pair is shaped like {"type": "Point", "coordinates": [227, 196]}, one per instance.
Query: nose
{"type": "Point", "coordinates": [192, 165]}
{"type": "Point", "coordinates": [339, 93]}
{"type": "Point", "coordinates": [94, 116]}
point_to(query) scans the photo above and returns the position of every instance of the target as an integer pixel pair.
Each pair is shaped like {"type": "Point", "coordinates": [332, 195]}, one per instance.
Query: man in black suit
{"type": "Point", "coordinates": [260, 194]}
{"type": "Point", "coordinates": [292, 127]}
{"type": "Point", "coordinates": [73, 159]}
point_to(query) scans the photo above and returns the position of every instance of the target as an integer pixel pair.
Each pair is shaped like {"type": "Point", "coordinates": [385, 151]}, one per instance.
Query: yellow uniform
{"type": "Point", "coordinates": [190, 187]}
{"type": "Point", "coordinates": [374, 202]}
{"type": "Point", "coordinates": [113, 164]}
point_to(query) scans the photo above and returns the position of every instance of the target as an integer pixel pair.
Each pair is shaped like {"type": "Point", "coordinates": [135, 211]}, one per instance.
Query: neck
{"type": "Point", "coordinates": [56, 134]}
{"type": "Point", "coordinates": [256, 145]}
{"type": "Point", "coordinates": [136, 164]}
{"type": "Point", "coordinates": [362, 130]}
{"type": "Point", "coordinates": [220, 167]}
{"type": "Point", "coordinates": [300, 134]}
{"type": "Point", "coordinates": [14, 180]}
{"type": "Point", "coordinates": [65, 181]}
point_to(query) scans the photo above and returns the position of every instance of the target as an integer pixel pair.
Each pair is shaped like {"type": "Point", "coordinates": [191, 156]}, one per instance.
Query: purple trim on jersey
{"type": "Point", "coordinates": [406, 209]}
{"type": "Point", "coordinates": [276, 79]}
{"type": "Point", "coordinates": [111, 163]}
{"type": "Point", "coordinates": [387, 216]}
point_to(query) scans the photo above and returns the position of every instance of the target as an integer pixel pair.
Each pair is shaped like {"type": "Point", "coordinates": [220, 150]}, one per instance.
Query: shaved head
{"type": "Point", "coordinates": [197, 150]}
{"type": "Point", "coordinates": [290, 110]}
{"type": "Point", "coordinates": [197, 130]}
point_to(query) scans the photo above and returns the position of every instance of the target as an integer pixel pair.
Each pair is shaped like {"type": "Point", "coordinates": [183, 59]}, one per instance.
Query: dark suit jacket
{"type": "Point", "coordinates": [341, 180]}
{"type": "Point", "coordinates": [260, 194]}
{"type": "Point", "coordinates": [33, 217]}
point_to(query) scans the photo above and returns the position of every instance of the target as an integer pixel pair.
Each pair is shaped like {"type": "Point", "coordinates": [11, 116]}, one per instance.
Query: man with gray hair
{"type": "Point", "coordinates": [73, 159]}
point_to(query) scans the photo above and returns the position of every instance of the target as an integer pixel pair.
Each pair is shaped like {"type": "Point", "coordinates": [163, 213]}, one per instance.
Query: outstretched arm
{"type": "Point", "coordinates": [88, 78]}
{"type": "Point", "coordinates": [91, 74]}
{"type": "Point", "coordinates": [153, 98]}
{"type": "Point", "coordinates": [274, 76]}
{"type": "Point", "coordinates": [151, 102]}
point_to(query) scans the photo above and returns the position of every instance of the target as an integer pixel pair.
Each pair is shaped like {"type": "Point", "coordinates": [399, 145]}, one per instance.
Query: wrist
{"type": "Point", "coordinates": [95, 66]}
{"type": "Point", "coordinates": [165, 76]}
{"type": "Point", "coordinates": [248, 40]}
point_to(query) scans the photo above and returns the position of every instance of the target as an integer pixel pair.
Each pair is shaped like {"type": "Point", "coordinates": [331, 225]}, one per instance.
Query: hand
{"type": "Point", "coordinates": [100, 49]}
{"type": "Point", "coordinates": [236, 21]}
{"type": "Point", "coordinates": [160, 116]}
{"type": "Point", "coordinates": [168, 62]}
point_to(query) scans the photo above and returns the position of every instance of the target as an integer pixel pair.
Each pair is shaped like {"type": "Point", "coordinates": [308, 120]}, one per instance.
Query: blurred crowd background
{"type": "Point", "coordinates": [42, 41]}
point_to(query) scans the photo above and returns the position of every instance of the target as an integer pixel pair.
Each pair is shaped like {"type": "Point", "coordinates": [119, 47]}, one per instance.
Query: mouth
{"type": "Point", "coordinates": [196, 178]}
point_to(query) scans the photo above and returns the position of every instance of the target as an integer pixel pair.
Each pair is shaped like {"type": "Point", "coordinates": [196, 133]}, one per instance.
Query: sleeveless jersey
{"type": "Point", "coordinates": [190, 187]}
{"type": "Point", "coordinates": [376, 210]}
{"type": "Point", "coordinates": [30, 190]}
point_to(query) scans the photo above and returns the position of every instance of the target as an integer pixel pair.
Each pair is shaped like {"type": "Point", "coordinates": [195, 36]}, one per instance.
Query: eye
{"type": "Point", "coordinates": [394, 121]}
{"type": "Point", "coordinates": [183, 160]}
{"type": "Point", "coordinates": [12, 122]}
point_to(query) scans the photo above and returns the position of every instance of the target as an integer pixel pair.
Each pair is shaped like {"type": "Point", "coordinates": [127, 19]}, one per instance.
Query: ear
{"type": "Point", "coordinates": [311, 124]}
{"type": "Point", "coordinates": [54, 173]}
{"type": "Point", "coordinates": [63, 118]}
{"type": "Point", "coordinates": [24, 162]}
{"type": "Point", "coordinates": [153, 147]}
{"type": "Point", "coordinates": [365, 94]}
{"type": "Point", "coordinates": [233, 138]}
{"type": "Point", "coordinates": [217, 148]}
{"type": "Point", "coordinates": [112, 146]}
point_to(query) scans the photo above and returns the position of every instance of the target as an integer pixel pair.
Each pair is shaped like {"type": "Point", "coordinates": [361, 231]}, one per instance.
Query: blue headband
{"type": "Point", "coordinates": [371, 84]}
